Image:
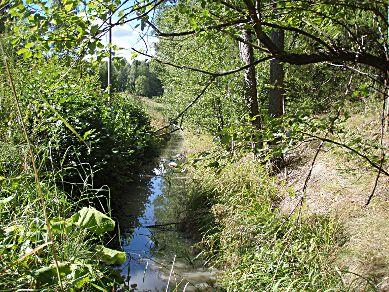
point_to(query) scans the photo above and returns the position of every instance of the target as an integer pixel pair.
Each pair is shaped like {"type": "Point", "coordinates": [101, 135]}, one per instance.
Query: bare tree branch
{"type": "Point", "coordinates": [351, 149]}
{"type": "Point", "coordinates": [190, 32]}
{"type": "Point", "coordinates": [214, 74]}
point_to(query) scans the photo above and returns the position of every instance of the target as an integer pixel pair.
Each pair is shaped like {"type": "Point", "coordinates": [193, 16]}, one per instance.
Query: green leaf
{"type": "Point", "coordinates": [134, 55]}
{"type": "Point", "coordinates": [93, 220]}
{"type": "Point", "coordinates": [48, 275]}
{"type": "Point", "coordinates": [94, 29]}
{"type": "Point", "coordinates": [88, 133]}
{"type": "Point", "coordinates": [59, 225]}
{"type": "Point", "coordinates": [27, 54]}
{"type": "Point", "coordinates": [80, 274]}
{"type": "Point", "coordinates": [21, 51]}
{"type": "Point", "coordinates": [68, 7]}
{"type": "Point", "coordinates": [110, 256]}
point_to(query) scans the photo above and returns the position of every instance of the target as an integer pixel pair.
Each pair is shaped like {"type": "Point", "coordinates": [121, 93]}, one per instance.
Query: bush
{"type": "Point", "coordinates": [90, 139]}
{"type": "Point", "coordinates": [76, 137]}
{"type": "Point", "coordinates": [142, 86]}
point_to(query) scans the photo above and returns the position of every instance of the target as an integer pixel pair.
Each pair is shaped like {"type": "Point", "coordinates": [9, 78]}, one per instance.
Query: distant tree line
{"type": "Point", "coordinates": [138, 77]}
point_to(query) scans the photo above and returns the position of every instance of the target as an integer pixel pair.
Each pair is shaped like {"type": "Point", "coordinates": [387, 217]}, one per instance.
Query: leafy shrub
{"type": "Point", "coordinates": [90, 139]}
{"type": "Point", "coordinates": [141, 86]}
{"type": "Point", "coordinates": [76, 135]}
{"type": "Point", "coordinates": [27, 260]}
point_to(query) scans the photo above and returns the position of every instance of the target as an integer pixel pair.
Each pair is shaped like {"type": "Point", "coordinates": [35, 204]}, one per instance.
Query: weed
{"type": "Point", "coordinates": [235, 207]}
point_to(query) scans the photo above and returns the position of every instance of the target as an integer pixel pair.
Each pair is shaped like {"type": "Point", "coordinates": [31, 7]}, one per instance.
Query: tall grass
{"type": "Point", "coordinates": [234, 205]}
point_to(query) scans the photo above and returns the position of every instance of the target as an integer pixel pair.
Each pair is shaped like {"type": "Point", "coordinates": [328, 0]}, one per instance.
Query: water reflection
{"type": "Point", "coordinates": [152, 251]}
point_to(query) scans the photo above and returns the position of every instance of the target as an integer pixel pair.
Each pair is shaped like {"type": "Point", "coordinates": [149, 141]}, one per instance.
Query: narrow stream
{"type": "Point", "coordinates": [158, 258]}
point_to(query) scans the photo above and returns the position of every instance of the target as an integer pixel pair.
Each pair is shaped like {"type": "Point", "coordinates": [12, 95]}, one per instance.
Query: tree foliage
{"type": "Point", "coordinates": [326, 57]}
{"type": "Point", "coordinates": [125, 75]}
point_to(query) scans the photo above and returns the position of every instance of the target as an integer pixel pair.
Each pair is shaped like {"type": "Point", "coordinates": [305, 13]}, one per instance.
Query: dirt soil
{"type": "Point", "coordinates": [339, 186]}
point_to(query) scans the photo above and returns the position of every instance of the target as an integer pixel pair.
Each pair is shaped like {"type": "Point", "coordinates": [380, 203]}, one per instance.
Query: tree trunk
{"type": "Point", "coordinates": [386, 92]}
{"type": "Point", "coordinates": [250, 81]}
{"type": "Point", "coordinates": [277, 94]}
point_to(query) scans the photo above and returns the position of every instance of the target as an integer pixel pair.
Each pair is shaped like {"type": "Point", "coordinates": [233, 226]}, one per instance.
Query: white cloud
{"type": "Point", "coordinates": [126, 37]}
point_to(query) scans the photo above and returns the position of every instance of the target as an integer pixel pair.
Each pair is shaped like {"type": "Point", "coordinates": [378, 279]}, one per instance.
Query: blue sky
{"type": "Point", "coordinates": [127, 36]}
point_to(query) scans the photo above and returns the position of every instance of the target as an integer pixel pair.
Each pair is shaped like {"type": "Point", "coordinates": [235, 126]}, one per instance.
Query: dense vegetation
{"type": "Point", "coordinates": [138, 78]}
{"type": "Point", "coordinates": [271, 84]}
{"type": "Point", "coordinates": [80, 145]}
{"type": "Point", "coordinates": [218, 78]}
{"type": "Point", "coordinates": [63, 145]}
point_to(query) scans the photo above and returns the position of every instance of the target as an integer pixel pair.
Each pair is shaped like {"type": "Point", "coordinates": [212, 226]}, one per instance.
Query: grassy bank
{"type": "Point", "coordinates": [254, 231]}
{"type": "Point", "coordinates": [62, 146]}
{"type": "Point", "coordinates": [234, 204]}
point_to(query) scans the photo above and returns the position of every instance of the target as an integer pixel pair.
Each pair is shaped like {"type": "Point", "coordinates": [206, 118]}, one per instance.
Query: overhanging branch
{"type": "Point", "coordinates": [213, 74]}
{"type": "Point", "coordinates": [376, 166]}
{"type": "Point", "coordinates": [302, 59]}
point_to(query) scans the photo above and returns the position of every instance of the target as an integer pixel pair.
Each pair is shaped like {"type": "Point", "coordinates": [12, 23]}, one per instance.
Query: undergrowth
{"type": "Point", "coordinates": [233, 203]}
{"type": "Point", "coordinates": [26, 258]}
{"type": "Point", "coordinates": [51, 236]}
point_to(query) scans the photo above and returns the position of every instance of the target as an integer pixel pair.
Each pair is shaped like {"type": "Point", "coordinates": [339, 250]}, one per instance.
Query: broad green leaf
{"type": "Point", "coordinates": [110, 256]}
{"type": "Point", "coordinates": [93, 220]}
{"type": "Point", "coordinates": [48, 275]}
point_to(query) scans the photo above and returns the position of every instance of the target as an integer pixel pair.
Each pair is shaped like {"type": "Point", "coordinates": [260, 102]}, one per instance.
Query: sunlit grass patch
{"type": "Point", "coordinates": [235, 206]}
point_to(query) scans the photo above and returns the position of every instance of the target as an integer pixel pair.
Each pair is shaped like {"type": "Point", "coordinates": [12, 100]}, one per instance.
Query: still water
{"type": "Point", "coordinates": [159, 258]}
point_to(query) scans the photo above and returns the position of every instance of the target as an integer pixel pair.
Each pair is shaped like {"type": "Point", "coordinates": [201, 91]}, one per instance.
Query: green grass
{"type": "Point", "coordinates": [234, 205]}
{"type": "Point", "coordinates": [339, 187]}
{"type": "Point", "coordinates": [24, 239]}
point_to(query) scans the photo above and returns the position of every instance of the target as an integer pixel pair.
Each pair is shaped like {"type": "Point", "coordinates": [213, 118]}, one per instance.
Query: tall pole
{"type": "Point", "coordinates": [109, 83]}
